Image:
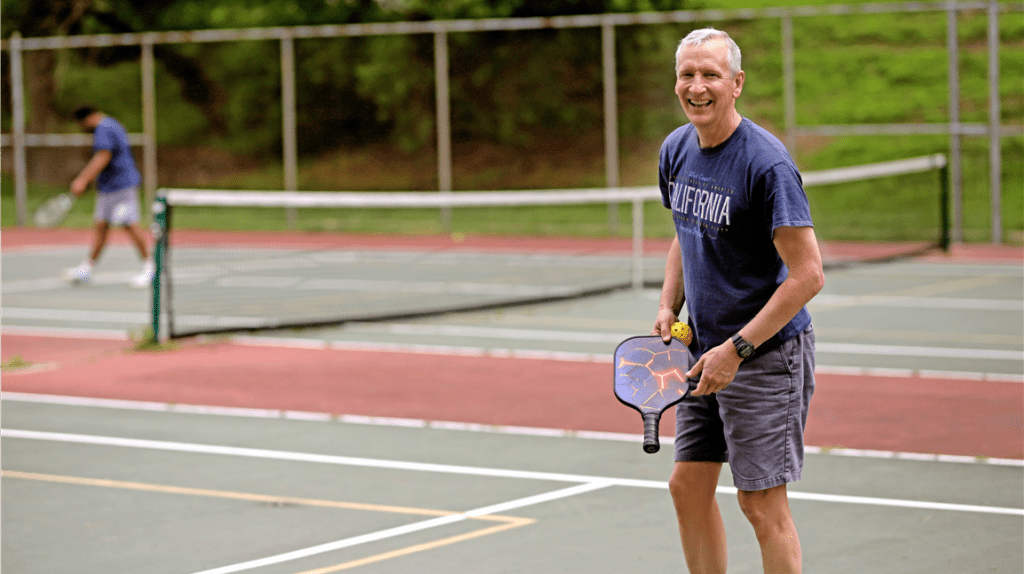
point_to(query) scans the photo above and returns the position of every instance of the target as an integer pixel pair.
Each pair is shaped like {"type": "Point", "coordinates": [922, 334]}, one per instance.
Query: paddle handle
{"type": "Point", "coordinates": [651, 443]}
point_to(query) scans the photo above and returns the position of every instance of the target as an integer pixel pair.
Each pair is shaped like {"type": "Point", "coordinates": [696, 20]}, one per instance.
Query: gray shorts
{"type": "Point", "coordinates": [756, 424]}
{"type": "Point", "coordinates": [119, 207]}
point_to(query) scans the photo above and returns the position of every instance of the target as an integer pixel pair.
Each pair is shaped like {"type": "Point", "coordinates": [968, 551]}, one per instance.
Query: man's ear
{"type": "Point", "coordinates": [738, 80]}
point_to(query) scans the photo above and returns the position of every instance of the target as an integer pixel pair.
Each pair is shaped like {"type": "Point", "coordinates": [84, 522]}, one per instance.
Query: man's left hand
{"type": "Point", "coordinates": [716, 369]}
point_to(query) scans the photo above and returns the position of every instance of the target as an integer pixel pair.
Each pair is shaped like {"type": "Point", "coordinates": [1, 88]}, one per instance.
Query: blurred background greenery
{"type": "Point", "coordinates": [526, 105]}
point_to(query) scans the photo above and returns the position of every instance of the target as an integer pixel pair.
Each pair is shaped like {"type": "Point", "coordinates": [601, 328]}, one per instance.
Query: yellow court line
{"type": "Point", "coordinates": [516, 523]}
{"type": "Point", "coordinates": [243, 495]}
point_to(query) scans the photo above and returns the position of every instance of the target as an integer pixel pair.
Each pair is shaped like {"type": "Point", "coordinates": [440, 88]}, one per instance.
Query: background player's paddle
{"type": "Point", "coordinates": [54, 210]}
{"type": "Point", "coordinates": [650, 376]}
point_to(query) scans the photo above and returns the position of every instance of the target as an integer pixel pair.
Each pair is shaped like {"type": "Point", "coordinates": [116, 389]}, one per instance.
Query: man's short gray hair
{"type": "Point", "coordinates": [698, 37]}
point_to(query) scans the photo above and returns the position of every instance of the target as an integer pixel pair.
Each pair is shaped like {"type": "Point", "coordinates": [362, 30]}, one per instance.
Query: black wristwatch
{"type": "Point", "coordinates": [743, 348]}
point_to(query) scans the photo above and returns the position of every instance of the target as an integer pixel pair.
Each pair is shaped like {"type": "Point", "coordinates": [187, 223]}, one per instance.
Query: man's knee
{"type": "Point", "coordinates": [694, 481]}
{"type": "Point", "coordinates": [765, 508]}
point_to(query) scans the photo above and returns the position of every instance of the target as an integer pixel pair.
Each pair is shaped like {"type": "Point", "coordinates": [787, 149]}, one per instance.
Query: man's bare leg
{"type": "Point", "coordinates": [99, 240]}
{"type": "Point", "coordinates": [769, 514]}
{"type": "Point", "coordinates": [701, 528]}
{"type": "Point", "coordinates": [139, 239]}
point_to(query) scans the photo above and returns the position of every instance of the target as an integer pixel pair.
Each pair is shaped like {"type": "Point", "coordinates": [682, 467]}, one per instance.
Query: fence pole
{"type": "Point", "coordinates": [288, 129]}
{"type": "Point", "coordinates": [955, 137]}
{"type": "Point", "coordinates": [994, 150]}
{"type": "Point", "coordinates": [789, 83]}
{"type": "Point", "coordinates": [611, 120]}
{"type": "Point", "coordinates": [18, 131]}
{"type": "Point", "coordinates": [444, 124]}
{"type": "Point", "coordinates": [149, 178]}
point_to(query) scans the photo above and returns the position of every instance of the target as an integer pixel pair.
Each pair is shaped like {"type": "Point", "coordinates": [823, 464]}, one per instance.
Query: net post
{"type": "Point", "coordinates": [944, 238]}
{"type": "Point", "coordinates": [159, 230]}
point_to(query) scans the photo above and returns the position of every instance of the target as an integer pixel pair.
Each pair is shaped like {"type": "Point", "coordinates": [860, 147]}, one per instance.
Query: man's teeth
{"type": "Point", "coordinates": [700, 103]}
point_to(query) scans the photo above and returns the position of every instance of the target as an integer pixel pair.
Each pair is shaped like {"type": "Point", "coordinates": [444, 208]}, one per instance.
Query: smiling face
{"type": "Point", "coordinates": [707, 90]}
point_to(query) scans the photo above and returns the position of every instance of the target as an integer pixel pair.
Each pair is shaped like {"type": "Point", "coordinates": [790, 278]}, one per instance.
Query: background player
{"type": "Point", "coordinates": [117, 179]}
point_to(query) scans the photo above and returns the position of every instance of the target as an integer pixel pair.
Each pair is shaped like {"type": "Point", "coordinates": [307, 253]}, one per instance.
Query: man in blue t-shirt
{"type": "Point", "coordinates": [746, 263]}
{"type": "Point", "coordinates": [117, 179]}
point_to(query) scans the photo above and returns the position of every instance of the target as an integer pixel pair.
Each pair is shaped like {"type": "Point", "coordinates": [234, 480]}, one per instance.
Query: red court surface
{"type": "Point", "coordinates": [904, 414]}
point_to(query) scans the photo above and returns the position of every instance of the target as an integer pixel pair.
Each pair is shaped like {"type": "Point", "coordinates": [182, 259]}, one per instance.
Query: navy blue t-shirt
{"type": "Point", "coordinates": [726, 202]}
{"type": "Point", "coordinates": [121, 172]}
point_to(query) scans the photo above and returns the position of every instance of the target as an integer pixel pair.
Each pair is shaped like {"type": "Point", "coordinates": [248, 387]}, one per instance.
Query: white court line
{"type": "Point", "coordinates": [52, 283]}
{"type": "Point", "coordinates": [835, 348]}
{"type": "Point", "coordinates": [827, 300]}
{"type": "Point", "coordinates": [70, 333]}
{"type": "Point", "coordinates": [407, 330]}
{"type": "Point", "coordinates": [451, 350]}
{"type": "Point", "coordinates": [454, 426]}
{"type": "Point", "coordinates": [406, 529]}
{"type": "Point", "coordinates": [467, 470]}
{"type": "Point", "coordinates": [76, 315]}
{"type": "Point", "coordinates": [138, 317]}
{"type": "Point", "coordinates": [933, 352]}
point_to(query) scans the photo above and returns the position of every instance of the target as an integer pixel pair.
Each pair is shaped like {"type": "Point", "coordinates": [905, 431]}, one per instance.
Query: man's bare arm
{"type": "Point", "coordinates": [91, 171]}
{"type": "Point", "coordinates": [798, 249]}
{"type": "Point", "coordinates": [672, 293]}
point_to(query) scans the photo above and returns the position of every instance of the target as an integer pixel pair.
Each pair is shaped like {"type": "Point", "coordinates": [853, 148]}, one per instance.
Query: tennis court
{"type": "Point", "coordinates": [489, 441]}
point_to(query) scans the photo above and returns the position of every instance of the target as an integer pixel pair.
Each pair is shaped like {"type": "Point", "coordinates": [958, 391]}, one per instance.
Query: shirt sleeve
{"type": "Point", "coordinates": [786, 203]}
{"type": "Point", "coordinates": [104, 138]}
{"type": "Point", "coordinates": [663, 177]}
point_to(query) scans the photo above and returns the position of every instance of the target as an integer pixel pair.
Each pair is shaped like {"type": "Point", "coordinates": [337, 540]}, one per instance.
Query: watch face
{"type": "Point", "coordinates": [743, 348]}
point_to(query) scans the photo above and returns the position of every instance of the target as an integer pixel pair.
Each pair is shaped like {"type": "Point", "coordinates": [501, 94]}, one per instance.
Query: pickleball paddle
{"type": "Point", "coordinates": [650, 376]}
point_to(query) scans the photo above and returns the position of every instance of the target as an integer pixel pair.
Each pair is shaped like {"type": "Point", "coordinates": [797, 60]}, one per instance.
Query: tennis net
{"type": "Point", "coordinates": [387, 255]}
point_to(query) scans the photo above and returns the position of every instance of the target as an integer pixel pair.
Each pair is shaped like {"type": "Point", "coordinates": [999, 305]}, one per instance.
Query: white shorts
{"type": "Point", "coordinates": [119, 207]}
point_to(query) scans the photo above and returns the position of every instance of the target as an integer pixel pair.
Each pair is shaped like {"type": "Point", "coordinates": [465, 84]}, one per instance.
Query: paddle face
{"type": "Point", "coordinates": [53, 211]}
{"type": "Point", "coordinates": [650, 376]}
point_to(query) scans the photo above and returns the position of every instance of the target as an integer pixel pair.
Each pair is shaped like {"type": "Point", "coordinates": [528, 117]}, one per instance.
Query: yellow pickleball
{"type": "Point", "coordinates": [681, 331]}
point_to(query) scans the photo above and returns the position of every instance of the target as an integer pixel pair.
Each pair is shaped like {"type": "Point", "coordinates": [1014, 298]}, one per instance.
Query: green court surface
{"type": "Point", "coordinates": [602, 506]}
{"type": "Point", "coordinates": [94, 486]}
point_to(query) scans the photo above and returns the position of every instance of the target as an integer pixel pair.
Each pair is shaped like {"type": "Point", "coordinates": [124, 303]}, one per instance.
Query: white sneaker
{"type": "Point", "coordinates": [145, 279]}
{"type": "Point", "coordinates": [80, 274]}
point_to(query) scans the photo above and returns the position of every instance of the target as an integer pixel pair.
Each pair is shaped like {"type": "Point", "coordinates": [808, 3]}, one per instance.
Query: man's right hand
{"type": "Point", "coordinates": [663, 324]}
{"type": "Point", "coordinates": [78, 186]}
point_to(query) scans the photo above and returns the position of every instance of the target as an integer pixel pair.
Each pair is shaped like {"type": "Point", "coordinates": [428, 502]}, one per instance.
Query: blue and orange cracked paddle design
{"type": "Point", "coordinates": [650, 376]}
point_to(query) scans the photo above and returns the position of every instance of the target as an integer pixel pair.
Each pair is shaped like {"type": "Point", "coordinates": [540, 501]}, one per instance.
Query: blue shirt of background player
{"type": "Point", "coordinates": [726, 203]}
{"type": "Point", "coordinates": [121, 172]}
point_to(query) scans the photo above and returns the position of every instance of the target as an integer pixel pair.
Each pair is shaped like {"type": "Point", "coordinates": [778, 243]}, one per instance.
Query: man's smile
{"type": "Point", "coordinates": [699, 103]}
